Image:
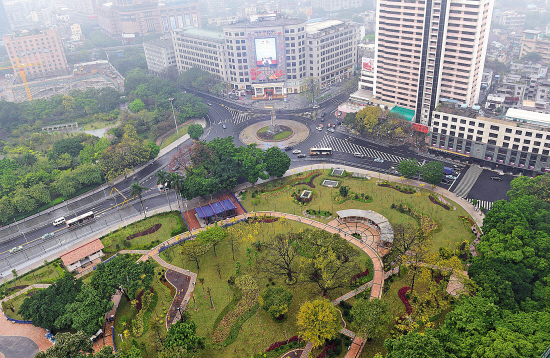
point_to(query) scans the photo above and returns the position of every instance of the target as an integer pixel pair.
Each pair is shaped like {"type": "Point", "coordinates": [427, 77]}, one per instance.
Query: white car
{"type": "Point", "coordinates": [15, 249]}
{"type": "Point", "coordinates": [379, 160]}
{"type": "Point", "coordinates": [296, 151]}
{"type": "Point", "coordinates": [319, 128]}
{"type": "Point", "coordinates": [452, 177]}
{"type": "Point", "coordinates": [358, 155]}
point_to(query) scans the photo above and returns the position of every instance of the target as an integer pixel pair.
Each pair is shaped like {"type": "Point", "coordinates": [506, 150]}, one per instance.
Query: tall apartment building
{"type": "Point", "coordinates": [160, 56]}
{"type": "Point", "coordinates": [124, 20]}
{"type": "Point", "coordinates": [535, 41]}
{"type": "Point", "coordinates": [200, 48]}
{"type": "Point", "coordinates": [4, 24]}
{"type": "Point", "coordinates": [428, 50]}
{"type": "Point", "coordinates": [37, 46]}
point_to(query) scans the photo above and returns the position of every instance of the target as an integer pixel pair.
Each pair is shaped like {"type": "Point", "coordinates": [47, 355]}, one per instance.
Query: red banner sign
{"type": "Point", "coordinates": [420, 128]}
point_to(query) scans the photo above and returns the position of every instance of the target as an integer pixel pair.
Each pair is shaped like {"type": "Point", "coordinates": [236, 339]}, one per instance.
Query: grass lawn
{"type": "Point", "coordinates": [126, 313]}
{"type": "Point", "coordinates": [260, 331]}
{"type": "Point", "coordinates": [116, 240]}
{"type": "Point", "coordinates": [172, 137]}
{"type": "Point", "coordinates": [99, 125]}
{"type": "Point", "coordinates": [453, 230]}
{"type": "Point", "coordinates": [44, 274]}
{"type": "Point", "coordinates": [17, 302]}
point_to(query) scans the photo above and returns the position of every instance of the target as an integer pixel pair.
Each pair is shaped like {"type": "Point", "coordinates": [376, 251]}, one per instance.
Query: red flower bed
{"type": "Point", "coordinates": [149, 231]}
{"type": "Point", "coordinates": [402, 296]}
{"type": "Point", "coordinates": [358, 276]}
{"type": "Point", "coordinates": [435, 201]}
{"type": "Point", "coordinates": [308, 183]}
{"type": "Point", "coordinates": [282, 343]}
{"type": "Point", "coordinates": [330, 346]}
{"type": "Point", "coordinates": [16, 288]}
{"type": "Point", "coordinates": [138, 304]}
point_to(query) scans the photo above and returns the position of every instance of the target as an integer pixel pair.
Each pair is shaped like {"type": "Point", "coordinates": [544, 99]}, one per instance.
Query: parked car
{"type": "Point", "coordinates": [496, 178]}
{"type": "Point", "coordinates": [358, 155]}
{"type": "Point", "coordinates": [379, 160]}
{"type": "Point", "coordinates": [296, 151]}
{"type": "Point", "coordinates": [288, 147]}
{"type": "Point", "coordinates": [452, 177]}
{"type": "Point", "coordinates": [330, 130]}
{"type": "Point", "coordinates": [301, 155]}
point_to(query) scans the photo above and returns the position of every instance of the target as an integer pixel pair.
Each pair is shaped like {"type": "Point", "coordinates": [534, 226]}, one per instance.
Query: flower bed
{"type": "Point", "coordinates": [292, 184]}
{"type": "Point", "coordinates": [359, 275]}
{"type": "Point", "coordinates": [309, 182]}
{"type": "Point", "coordinates": [402, 293]}
{"type": "Point", "coordinates": [399, 188]}
{"type": "Point", "coordinates": [283, 343]}
{"type": "Point", "coordinates": [261, 219]}
{"type": "Point", "coordinates": [441, 202]}
{"type": "Point", "coordinates": [323, 213]}
{"type": "Point", "coordinates": [149, 231]}
{"type": "Point", "coordinates": [425, 222]}
{"type": "Point", "coordinates": [364, 198]}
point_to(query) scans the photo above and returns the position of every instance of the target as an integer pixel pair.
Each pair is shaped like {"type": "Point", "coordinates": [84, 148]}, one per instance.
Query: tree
{"type": "Point", "coordinates": [184, 336]}
{"type": "Point", "coordinates": [251, 160]}
{"type": "Point", "coordinates": [6, 209]}
{"type": "Point", "coordinates": [311, 89]}
{"type": "Point", "coordinates": [317, 321]}
{"type": "Point", "coordinates": [22, 201]}
{"type": "Point", "coordinates": [195, 131]}
{"type": "Point", "coordinates": [280, 257]}
{"type": "Point", "coordinates": [71, 146]}
{"type": "Point", "coordinates": [432, 172]}
{"type": "Point", "coordinates": [405, 239]}
{"type": "Point", "coordinates": [68, 345]}
{"type": "Point", "coordinates": [87, 312]}
{"type": "Point", "coordinates": [47, 306]}
{"type": "Point", "coordinates": [137, 105]}
{"type": "Point", "coordinates": [212, 236]}
{"type": "Point", "coordinates": [176, 183]}
{"type": "Point", "coordinates": [193, 250]}
{"type": "Point", "coordinates": [137, 189]}
{"type": "Point", "coordinates": [154, 150]}
{"type": "Point", "coordinates": [275, 301]}
{"type": "Point", "coordinates": [344, 191]}
{"type": "Point", "coordinates": [408, 168]}
{"type": "Point", "coordinates": [40, 193]}
{"type": "Point", "coordinates": [368, 118]}
{"type": "Point", "coordinates": [370, 318]}
{"type": "Point", "coordinates": [277, 162]}
{"type": "Point", "coordinates": [414, 345]}
{"type": "Point", "coordinates": [532, 57]}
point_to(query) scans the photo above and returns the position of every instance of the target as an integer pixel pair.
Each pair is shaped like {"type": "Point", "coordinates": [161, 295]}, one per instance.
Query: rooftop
{"type": "Point", "coordinates": [201, 33]}
{"type": "Point", "coordinates": [315, 27]}
{"type": "Point", "coordinates": [528, 116]}
{"type": "Point", "coordinates": [81, 252]}
{"type": "Point", "coordinates": [281, 21]}
{"type": "Point", "coordinates": [162, 42]}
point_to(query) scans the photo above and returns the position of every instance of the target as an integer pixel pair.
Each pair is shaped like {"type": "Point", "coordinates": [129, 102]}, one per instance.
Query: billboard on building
{"type": "Point", "coordinates": [165, 24]}
{"type": "Point", "coordinates": [187, 20]}
{"type": "Point", "coordinates": [368, 64]}
{"type": "Point", "coordinates": [180, 22]}
{"type": "Point", "coordinates": [195, 20]}
{"type": "Point", "coordinates": [266, 52]}
{"type": "Point", "coordinates": [173, 22]}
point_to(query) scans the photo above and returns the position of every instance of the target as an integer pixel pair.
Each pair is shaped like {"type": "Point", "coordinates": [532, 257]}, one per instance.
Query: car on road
{"type": "Point", "coordinates": [50, 234]}
{"type": "Point", "coordinates": [445, 181]}
{"type": "Point", "coordinates": [319, 128]}
{"type": "Point", "coordinates": [379, 160]}
{"type": "Point", "coordinates": [301, 155]}
{"type": "Point", "coordinates": [329, 125]}
{"type": "Point", "coordinates": [315, 106]}
{"type": "Point", "coordinates": [496, 178]}
{"type": "Point", "coordinates": [452, 177]}
{"type": "Point", "coordinates": [358, 155]}
{"type": "Point", "coordinates": [288, 147]}
{"type": "Point", "coordinates": [15, 249]}
{"type": "Point", "coordinates": [296, 151]}
{"type": "Point", "coordinates": [323, 114]}
{"type": "Point", "coordinates": [224, 126]}
{"type": "Point", "coordinates": [322, 119]}
{"type": "Point", "coordinates": [330, 130]}
{"type": "Point", "coordinates": [208, 103]}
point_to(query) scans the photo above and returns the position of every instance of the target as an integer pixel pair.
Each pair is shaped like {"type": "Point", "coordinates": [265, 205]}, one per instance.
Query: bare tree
{"type": "Point", "coordinates": [280, 256]}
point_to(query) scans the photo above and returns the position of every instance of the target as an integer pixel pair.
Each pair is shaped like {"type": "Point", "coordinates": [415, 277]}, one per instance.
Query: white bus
{"type": "Point", "coordinates": [80, 219]}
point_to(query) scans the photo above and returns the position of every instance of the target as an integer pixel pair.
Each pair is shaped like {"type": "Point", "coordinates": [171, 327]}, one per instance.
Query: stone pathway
{"type": "Point", "coordinates": [28, 288]}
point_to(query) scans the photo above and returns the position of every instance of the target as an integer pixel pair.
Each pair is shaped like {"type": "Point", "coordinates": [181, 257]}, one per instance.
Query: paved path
{"type": "Point", "coordinates": [28, 288]}
{"type": "Point", "coordinates": [17, 347]}
{"type": "Point", "coordinates": [28, 331]}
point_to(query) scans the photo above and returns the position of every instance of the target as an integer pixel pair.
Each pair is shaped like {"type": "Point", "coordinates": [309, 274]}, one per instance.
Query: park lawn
{"type": "Point", "coordinates": [44, 274]}
{"type": "Point", "coordinates": [116, 240]}
{"type": "Point", "coordinates": [260, 331]}
{"type": "Point", "coordinates": [17, 302]}
{"type": "Point", "coordinates": [453, 230]}
{"type": "Point", "coordinates": [126, 312]}
{"type": "Point", "coordinates": [99, 125]}
{"type": "Point", "coordinates": [172, 137]}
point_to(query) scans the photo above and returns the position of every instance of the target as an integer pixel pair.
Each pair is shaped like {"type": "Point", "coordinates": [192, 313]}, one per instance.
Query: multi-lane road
{"type": "Point", "coordinates": [225, 118]}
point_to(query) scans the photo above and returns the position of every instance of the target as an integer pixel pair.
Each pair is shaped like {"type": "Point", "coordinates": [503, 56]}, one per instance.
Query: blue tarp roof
{"type": "Point", "coordinates": [215, 208]}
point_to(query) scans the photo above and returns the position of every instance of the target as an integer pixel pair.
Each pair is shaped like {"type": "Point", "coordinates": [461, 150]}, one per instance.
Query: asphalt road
{"type": "Point", "coordinates": [108, 213]}
{"type": "Point", "coordinates": [17, 347]}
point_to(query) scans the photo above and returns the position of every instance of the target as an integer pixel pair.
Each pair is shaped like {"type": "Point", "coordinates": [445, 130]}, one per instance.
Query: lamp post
{"type": "Point", "coordinates": [174, 114]}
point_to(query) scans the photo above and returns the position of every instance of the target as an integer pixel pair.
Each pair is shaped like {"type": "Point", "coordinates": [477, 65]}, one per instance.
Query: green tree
{"type": "Point", "coordinates": [318, 321]}
{"type": "Point", "coordinates": [414, 345]}
{"type": "Point", "coordinates": [370, 318]}
{"type": "Point", "coordinates": [68, 345]}
{"type": "Point", "coordinates": [532, 57]}
{"type": "Point", "coordinates": [275, 301]}
{"type": "Point", "coordinates": [368, 118]}
{"type": "Point", "coordinates": [137, 105]}
{"type": "Point", "coordinates": [71, 146]}
{"type": "Point", "coordinates": [408, 168]}
{"type": "Point", "coordinates": [154, 150]}
{"type": "Point", "coordinates": [193, 250]}
{"type": "Point", "coordinates": [136, 189]}
{"type": "Point", "coordinates": [344, 191]}
{"type": "Point", "coordinates": [432, 172]}
{"type": "Point", "coordinates": [277, 162]}
{"type": "Point", "coordinates": [6, 209]}
{"type": "Point", "coordinates": [87, 312]}
{"type": "Point", "coordinates": [22, 201]}
{"type": "Point", "coordinates": [195, 131]}
{"type": "Point", "coordinates": [40, 193]}
{"type": "Point", "coordinates": [251, 160]}
{"type": "Point", "coordinates": [311, 89]}
{"type": "Point", "coordinates": [184, 335]}
{"type": "Point", "coordinates": [65, 183]}
{"type": "Point", "coordinates": [212, 236]}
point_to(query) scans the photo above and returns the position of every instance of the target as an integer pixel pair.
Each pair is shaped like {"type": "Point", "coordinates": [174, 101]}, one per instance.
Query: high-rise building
{"type": "Point", "coordinates": [42, 47]}
{"type": "Point", "coordinates": [4, 24]}
{"type": "Point", "coordinates": [430, 50]}
{"type": "Point", "coordinates": [160, 56]}
{"type": "Point", "coordinates": [126, 20]}
{"type": "Point", "coordinates": [536, 41]}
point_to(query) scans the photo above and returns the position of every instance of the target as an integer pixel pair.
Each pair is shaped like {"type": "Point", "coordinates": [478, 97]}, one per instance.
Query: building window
{"type": "Point", "coordinates": [538, 136]}
{"type": "Point", "coordinates": [526, 141]}
{"type": "Point", "coordinates": [506, 145]}
{"type": "Point", "coordinates": [461, 128]}
{"type": "Point", "coordinates": [494, 128]}
{"type": "Point", "coordinates": [519, 132]}
{"type": "Point", "coordinates": [462, 121]}
{"type": "Point", "coordinates": [508, 130]}
{"type": "Point", "coordinates": [515, 146]}
{"type": "Point", "coordinates": [470, 137]}
{"type": "Point", "coordinates": [478, 139]}
{"type": "Point", "coordinates": [525, 148]}
{"type": "Point", "coordinates": [493, 135]}
{"type": "Point", "coordinates": [470, 130]}
{"type": "Point", "coordinates": [480, 132]}
{"type": "Point", "coordinates": [528, 134]}
{"type": "Point", "coordinates": [481, 125]}
{"type": "Point", "coordinates": [537, 144]}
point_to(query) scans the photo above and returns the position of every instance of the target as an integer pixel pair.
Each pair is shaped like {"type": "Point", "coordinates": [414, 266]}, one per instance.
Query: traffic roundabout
{"type": "Point", "coordinates": [292, 133]}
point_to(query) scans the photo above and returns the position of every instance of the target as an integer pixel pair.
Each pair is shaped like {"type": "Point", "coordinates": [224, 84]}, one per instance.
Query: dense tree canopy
{"type": "Point", "coordinates": [318, 320]}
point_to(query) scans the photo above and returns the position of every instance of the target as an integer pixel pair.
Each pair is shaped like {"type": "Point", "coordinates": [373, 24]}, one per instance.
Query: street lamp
{"type": "Point", "coordinates": [174, 114]}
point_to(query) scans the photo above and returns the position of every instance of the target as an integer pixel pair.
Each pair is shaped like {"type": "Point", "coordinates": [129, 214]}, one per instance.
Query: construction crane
{"type": "Point", "coordinates": [22, 74]}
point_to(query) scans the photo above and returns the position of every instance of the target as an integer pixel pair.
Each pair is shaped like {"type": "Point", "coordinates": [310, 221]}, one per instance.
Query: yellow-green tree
{"type": "Point", "coordinates": [368, 118]}
{"type": "Point", "coordinates": [317, 321]}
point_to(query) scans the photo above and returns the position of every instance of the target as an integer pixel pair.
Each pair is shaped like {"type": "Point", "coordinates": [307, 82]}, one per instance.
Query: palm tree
{"type": "Point", "coordinates": [162, 179]}
{"type": "Point", "coordinates": [136, 190]}
{"type": "Point", "coordinates": [176, 183]}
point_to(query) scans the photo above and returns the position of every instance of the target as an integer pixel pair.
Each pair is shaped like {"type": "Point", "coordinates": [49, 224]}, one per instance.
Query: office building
{"type": "Point", "coordinates": [4, 24]}
{"type": "Point", "coordinates": [517, 141]}
{"type": "Point", "coordinates": [430, 50]}
{"type": "Point", "coordinates": [204, 49]}
{"type": "Point", "coordinates": [160, 56]}
{"type": "Point", "coordinates": [536, 41]}
{"type": "Point", "coordinates": [509, 19]}
{"type": "Point", "coordinates": [125, 20]}
{"type": "Point", "coordinates": [42, 47]}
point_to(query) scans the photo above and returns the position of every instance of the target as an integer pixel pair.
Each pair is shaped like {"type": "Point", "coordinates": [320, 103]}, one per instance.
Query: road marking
{"type": "Point", "coordinates": [340, 145]}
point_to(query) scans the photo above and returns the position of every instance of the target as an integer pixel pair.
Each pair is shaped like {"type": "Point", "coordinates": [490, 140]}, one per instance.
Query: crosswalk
{"type": "Point", "coordinates": [487, 205]}
{"type": "Point", "coordinates": [340, 145]}
{"type": "Point", "coordinates": [468, 181]}
{"type": "Point", "coordinates": [237, 117]}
